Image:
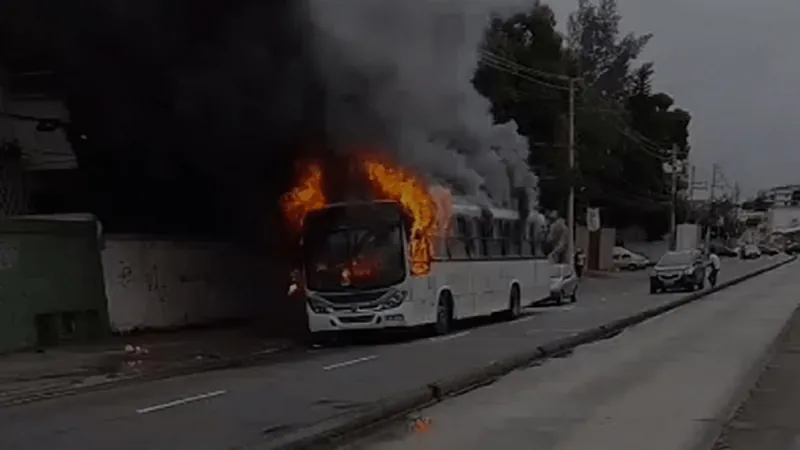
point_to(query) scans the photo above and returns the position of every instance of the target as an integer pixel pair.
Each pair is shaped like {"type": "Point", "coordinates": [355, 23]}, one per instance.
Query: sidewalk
{"type": "Point", "coordinates": [770, 417]}
{"type": "Point", "coordinates": [30, 375]}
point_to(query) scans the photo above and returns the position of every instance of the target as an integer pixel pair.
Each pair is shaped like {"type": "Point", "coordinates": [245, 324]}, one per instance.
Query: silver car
{"type": "Point", "coordinates": [564, 284]}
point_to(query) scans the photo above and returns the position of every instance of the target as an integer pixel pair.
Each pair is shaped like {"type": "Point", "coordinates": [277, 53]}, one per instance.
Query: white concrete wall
{"type": "Point", "coordinates": [608, 238]}
{"type": "Point", "coordinates": [689, 236]}
{"type": "Point", "coordinates": [158, 284]}
{"type": "Point", "coordinates": [783, 218]}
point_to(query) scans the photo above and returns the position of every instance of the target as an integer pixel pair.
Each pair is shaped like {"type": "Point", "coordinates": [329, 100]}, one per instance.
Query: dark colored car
{"type": "Point", "coordinates": [723, 251]}
{"type": "Point", "coordinates": [767, 250]}
{"type": "Point", "coordinates": [681, 270]}
{"type": "Point", "coordinates": [792, 248]}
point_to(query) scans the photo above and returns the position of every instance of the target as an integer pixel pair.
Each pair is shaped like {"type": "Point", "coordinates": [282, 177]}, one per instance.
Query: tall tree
{"type": "Point", "coordinates": [603, 55]}
{"type": "Point", "coordinates": [624, 128]}
{"type": "Point", "coordinates": [531, 41]}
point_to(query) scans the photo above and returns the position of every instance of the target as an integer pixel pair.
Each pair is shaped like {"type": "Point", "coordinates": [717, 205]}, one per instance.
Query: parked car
{"type": "Point", "coordinates": [682, 270]}
{"type": "Point", "coordinates": [792, 248]}
{"type": "Point", "coordinates": [768, 250]}
{"type": "Point", "coordinates": [751, 251]}
{"type": "Point", "coordinates": [625, 259]}
{"type": "Point", "coordinates": [724, 251]}
{"type": "Point", "coordinates": [564, 284]}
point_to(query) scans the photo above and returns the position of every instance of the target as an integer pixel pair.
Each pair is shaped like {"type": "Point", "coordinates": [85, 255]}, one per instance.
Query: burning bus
{"type": "Point", "coordinates": [410, 255]}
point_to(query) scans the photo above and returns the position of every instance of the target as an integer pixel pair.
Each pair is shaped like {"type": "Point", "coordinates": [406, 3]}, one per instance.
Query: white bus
{"type": "Point", "coordinates": [479, 269]}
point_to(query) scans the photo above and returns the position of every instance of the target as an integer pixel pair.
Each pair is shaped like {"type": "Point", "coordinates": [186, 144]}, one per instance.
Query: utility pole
{"type": "Point", "coordinates": [736, 210]}
{"type": "Point", "coordinates": [572, 178]}
{"type": "Point", "coordinates": [673, 206]}
{"type": "Point", "coordinates": [711, 206]}
{"type": "Point", "coordinates": [690, 196]}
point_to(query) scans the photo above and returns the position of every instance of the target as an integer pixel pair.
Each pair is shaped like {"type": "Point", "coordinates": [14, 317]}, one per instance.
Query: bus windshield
{"type": "Point", "coordinates": [346, 252]}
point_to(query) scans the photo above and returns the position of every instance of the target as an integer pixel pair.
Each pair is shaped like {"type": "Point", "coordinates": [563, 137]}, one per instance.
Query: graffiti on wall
{"type": "Point", "coordinates": [9, 255]}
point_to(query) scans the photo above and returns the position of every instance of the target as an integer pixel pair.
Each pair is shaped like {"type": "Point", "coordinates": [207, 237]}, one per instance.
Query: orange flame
{"type": "Point", "coordinates": [390, 183]}
{"type": "Point", "coordinates": [357, 269]}
{"type": "Point", "coordinates": [360, 268]}
{"type": "Point", "coordinates": [395, 184]}
{"type": "Point", "coordinates": [306, 197]}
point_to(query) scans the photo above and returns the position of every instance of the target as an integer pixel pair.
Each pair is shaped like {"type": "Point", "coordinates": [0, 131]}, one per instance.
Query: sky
{"type": "Point", "coordinates": [734, 65]}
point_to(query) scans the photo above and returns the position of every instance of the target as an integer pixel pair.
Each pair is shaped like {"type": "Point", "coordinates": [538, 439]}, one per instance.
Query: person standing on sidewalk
{"type": "Point", "coordinates": [716, 265]}
{"type": "Point", "coordinates": [580, 262]}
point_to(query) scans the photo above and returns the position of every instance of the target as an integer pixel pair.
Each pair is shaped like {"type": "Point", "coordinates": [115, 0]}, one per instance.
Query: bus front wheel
{"type": "Point", "coordinates": [444, 314]}
{"type": "Point", "coordinates": [514, 303]}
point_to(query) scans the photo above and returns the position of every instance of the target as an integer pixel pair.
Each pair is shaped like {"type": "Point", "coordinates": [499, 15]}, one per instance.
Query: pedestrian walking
{"type": "Point", "coordinates": [580, 262]}
{"type": "Point", "coordinates": [716, 265]}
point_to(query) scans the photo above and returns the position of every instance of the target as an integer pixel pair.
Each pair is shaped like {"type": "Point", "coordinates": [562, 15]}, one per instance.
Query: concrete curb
{"type": "Point", "coordinates": [332, 433]}
{"type": "Point", "coordinates": [717, 425]}
{"type": "Point", "coordinates": [35, 395]}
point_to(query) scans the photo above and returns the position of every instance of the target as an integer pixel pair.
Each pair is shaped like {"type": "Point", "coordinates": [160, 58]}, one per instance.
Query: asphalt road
{"type": "Point", "coordinates": [248, 407]}
{"type": "Point", "coordinates": [666, 384]}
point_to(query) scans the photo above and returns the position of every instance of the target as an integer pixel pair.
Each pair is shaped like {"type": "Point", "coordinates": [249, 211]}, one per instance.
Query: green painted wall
{"type": "Point", "coordinates": [51, 283]}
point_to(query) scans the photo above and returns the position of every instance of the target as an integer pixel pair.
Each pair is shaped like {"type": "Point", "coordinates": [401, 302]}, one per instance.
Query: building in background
{"type": "Point", "coordinates": [779, 196]}
{"type": "Point", "coordinates": [39, 171]}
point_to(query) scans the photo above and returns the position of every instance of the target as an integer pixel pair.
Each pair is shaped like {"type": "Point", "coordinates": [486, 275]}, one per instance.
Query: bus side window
{"type": "Point", "coordinates": [465, 234]}
{"type": "Point", "coordinates": [517, 237]}
{"type": "Point", "coordinates": [505, 237]}
{"type": "Point", "coordinates": [479, 238]}
{"type": "Point", "coordinates": [537, 240]}
{"type": "Point", "coordinates": [524, 246]}
{"type": "Point", "coordinates": [457, 245]}
{"type": "Point", "coordinates": [509, 240]}
{"type": "Point", "coordinates": [496, 239]}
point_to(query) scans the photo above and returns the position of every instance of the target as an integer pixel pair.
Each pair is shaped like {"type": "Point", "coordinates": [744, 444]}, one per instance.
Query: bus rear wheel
{"type": "Point", "coordinates": [444, 315]}
{"type": "Point", "coordinates": [514, 303]}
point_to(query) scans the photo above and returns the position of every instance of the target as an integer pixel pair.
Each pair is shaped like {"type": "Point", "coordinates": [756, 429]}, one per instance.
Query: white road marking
{"type": "Point", "coordinates": [350, 362]}
{"type": "Point", "coordinates": [448, 337]}
{"type": "Point", "coordinates": [551, 330]}
{"type": "Point", "coordinates": [182, 401]}
{"type": "Point", "coordinates": [267, 351]}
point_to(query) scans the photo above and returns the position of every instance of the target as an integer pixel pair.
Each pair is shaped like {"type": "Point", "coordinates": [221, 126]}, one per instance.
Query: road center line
{"type": "Point", "coordinates": [449, 337]}
{"type": "Point", "coordinates": [182, 401]}
{"type": "Point", "coordinates": [553, 330]}
{"type": "Point", "coordinates": [350, 362]}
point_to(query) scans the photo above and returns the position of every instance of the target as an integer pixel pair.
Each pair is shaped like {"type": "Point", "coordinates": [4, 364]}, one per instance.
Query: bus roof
{"type": "Point", "coordinates": [465, 207]}
{"type": "Point", "coordinates": [461, 206]}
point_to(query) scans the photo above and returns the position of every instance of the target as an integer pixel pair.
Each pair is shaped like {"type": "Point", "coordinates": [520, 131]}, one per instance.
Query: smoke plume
{"type": "Point", "coordinates": [400, 72]}
{"type": "Point", "coordinates": [193, 112]}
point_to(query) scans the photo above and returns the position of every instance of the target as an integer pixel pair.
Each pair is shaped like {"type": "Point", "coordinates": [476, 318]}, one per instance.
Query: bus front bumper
{"type": "Point", "coordinates": [364, 320]}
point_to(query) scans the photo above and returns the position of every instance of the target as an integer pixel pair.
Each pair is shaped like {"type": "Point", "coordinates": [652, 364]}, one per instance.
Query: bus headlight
{"type": "Point", "coordinates": [318, 306]}
{"type": "Point", "coordinates": [395, 299]}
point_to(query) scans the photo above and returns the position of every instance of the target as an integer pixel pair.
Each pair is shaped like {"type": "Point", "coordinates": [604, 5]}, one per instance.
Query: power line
{"type": "Point", "coordinates": [643, 144]}
{"type": "Point", "coordinates": [512, 71]}
{"type": "Point", "coordinates": [488, 55]}
{"type": "Point", "coordinates": [507, 66]}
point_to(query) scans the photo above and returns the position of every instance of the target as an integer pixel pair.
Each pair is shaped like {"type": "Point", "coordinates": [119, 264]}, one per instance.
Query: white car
{"type": "Point", "coordinates": [625, 259]}
{"type": "Point", "coordinates": [751, 252]}
{"type": "Point", "coordinates": [564, 284]}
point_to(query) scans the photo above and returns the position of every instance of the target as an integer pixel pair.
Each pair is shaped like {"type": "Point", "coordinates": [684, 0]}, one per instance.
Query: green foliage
{"type": "Point", "coordinates": [624, 129]}
{"type": "Point", "coordinates": [530, 40]}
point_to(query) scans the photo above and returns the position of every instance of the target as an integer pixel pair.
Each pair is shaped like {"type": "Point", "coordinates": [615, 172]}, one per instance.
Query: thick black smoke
{"type": "Point", "coordinates": [185, 114]}
{"type": "Point", "coordinates": [189, 115]}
